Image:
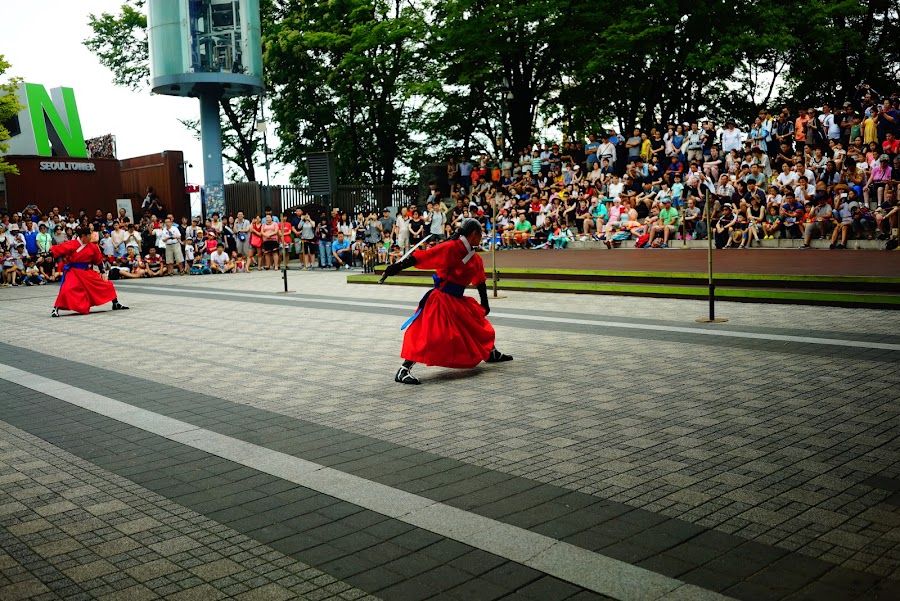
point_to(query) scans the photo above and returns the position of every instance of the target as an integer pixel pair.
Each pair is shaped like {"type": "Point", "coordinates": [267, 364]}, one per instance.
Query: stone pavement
{"type": "Point", "coordinates": [762, 463]}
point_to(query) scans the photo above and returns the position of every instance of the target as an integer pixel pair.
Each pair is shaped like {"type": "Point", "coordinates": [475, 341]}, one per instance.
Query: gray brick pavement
{"type": "Point", "coordinates": [72, 530]}
{"type": "Point", "coordinates": [756, 443]}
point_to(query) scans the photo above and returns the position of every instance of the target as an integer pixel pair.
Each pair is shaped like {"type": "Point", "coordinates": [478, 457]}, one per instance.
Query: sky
{"type": "Point", "coordinates": [42, 41]}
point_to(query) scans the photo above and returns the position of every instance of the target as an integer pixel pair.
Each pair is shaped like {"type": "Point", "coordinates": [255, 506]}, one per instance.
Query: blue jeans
{"type": "Point", "coordinates": [325, 253]}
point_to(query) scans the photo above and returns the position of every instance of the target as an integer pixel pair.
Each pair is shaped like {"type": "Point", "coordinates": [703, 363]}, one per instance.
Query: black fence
{"type": "Point", "coordinates": [252, 198]}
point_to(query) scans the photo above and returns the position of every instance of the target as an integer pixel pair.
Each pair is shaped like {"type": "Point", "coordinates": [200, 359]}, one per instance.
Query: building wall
{"type": "Point", "coordinates": [163, 171]}
{"type": "Point", "coordinates": [98, 189]}
{"type": "Point", "coordinates": [90, 190]}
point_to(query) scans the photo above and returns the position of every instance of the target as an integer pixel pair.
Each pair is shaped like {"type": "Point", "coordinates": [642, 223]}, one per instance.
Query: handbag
{"type": "Point", "coordinates": [255, 240]}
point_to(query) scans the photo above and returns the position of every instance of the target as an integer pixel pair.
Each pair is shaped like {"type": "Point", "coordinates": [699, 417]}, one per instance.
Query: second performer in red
{"type": "Point", "coordinates": [449, 329]}
{"type": "Point", "coordinates": [82, 287]}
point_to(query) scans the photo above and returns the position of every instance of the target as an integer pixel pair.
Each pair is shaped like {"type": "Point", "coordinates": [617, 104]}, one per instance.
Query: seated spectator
{"type": "Point", "coordinates": [771, 227]}
{"type": "Point", "coordinates": [694, 226]}
{"type": "Point", "coordinates": [792, 213]}
{"type": "Point", "coordinates": [818, 220]}
{"type": "Point", "coordinates": [342, 252]}
{"type": "Point", "coordinates": [220, 261]}
{"type": "Point", "coordinates": [886, 214]}
{"type": "Point", "coordinates": [879, 177]}
{"type": "Point", "coordinates": [153, 263]}
{"type": "Point", "coordinates": [33, 275]}
{"type": "Point", "coordinates": [666, 224]}
{"type": "Point", "coordinates": [724, 228]}
{"type": "Point", "coordinates": [842, 216]}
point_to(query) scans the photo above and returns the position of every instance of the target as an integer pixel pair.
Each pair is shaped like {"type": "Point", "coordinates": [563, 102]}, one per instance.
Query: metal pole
{"type": "Point", "coordinates": [709, 238]}
{"type": "Point", "coordinates": [494, 244]}
{"type": "Point", "coordinates": [262, 112]}
{"type": "Point", "coordinates": [712, 286]}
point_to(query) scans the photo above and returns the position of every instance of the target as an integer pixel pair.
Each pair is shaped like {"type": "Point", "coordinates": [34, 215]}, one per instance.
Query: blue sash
{"type": "Point", "coordinates": [69, 266]}
{"type": "Point", "coordinates": [450, 288]}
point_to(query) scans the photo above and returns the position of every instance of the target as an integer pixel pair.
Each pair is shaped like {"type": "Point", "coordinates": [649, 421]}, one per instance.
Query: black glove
{"type": "Point", "coordinates": [397, 267]}
{"type": "Point", "coordinates": [482, 292]}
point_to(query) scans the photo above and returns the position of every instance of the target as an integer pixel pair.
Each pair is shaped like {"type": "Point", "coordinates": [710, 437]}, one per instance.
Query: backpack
{"type": "Point", "coordinates": [642, 241]}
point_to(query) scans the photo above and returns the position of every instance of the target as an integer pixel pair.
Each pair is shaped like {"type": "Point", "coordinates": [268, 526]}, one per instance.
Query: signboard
{"type": "Point", "coordinates": [125, 203]}
{"type": "Point", "coordinates": [48, 125]}
{"type": "Point", "coordinates": [67, 166]}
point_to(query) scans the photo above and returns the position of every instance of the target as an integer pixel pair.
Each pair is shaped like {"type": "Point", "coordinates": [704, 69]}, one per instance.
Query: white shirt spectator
{"type": "Point", "coordinates": [171, 234]}
{"type": "Point", "coordinates": [731, 139]}
{"type": "Point", "coordinates": [805, 194]}
{"type": "Point", "coordinates": [787, 179]}
{"type": "Point", "coordinates": [831, 127]}
{"type": "Point", "coordinates": [219, 257]}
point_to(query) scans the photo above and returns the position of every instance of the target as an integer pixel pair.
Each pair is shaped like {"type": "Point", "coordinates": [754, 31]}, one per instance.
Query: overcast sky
{"type": "Point", "coordinates": [42, 40]}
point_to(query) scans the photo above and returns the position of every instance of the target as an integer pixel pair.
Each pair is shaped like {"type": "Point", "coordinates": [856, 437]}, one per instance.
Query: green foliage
{"type": "Point", "coordinates": [348, 76]}
{"type": "Point", "coordinates": [389, 85]}
{"type": "Point", "coordinates": [120, 42]}
{"type": "Point", "coordinates": [9, 107]}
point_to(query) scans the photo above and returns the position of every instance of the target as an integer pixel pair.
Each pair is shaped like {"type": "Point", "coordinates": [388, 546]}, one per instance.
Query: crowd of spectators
{"type": "Point", "coordinates": [816, 174]}
{"type": "Point", "coordinates": [812, 173]}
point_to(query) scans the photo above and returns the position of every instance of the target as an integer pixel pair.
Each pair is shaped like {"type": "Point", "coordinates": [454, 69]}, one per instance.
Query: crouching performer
{"type": "Point", "coordinates": [82, 287]}
{"type": "Point", "coordinates": [449, 329]}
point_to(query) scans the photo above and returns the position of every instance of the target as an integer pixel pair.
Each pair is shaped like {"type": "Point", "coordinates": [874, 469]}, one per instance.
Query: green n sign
{"type": "Point", "coordinates": [49, 124]}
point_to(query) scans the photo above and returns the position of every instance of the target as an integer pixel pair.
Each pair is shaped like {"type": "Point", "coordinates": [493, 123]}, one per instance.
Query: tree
{"type": "Point", "coordinates": [9, 107]}
{"type": "Point", "coordinates": [478, 44]}
{"type": "Point", "coordinates": [120, 43]}
{"type": "Point", "coordinates": [347, 75]}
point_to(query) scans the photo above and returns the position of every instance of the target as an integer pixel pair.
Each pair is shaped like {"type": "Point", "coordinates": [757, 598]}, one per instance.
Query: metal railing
{"type": "Point", "coordinates": [252, 198]}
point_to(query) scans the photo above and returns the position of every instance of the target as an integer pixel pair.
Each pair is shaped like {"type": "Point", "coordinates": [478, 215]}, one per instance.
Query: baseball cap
{"type": "Point", "coordinates": [848, 103]}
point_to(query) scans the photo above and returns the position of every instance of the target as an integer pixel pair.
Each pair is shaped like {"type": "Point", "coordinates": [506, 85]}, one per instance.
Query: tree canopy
{"type": "Point", "coordinates": [9, 107]}
{"type": "Point", "coordinates": [392, 84]}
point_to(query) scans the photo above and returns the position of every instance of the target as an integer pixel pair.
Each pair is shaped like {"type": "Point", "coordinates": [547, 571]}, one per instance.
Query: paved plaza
{"type": "Point", "coordinates": [223, 440]}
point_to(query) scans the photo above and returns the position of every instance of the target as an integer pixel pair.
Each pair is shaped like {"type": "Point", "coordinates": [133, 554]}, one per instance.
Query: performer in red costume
{"type": "Point", "coordinates": [449, 329]}
{"type": "Point", "coordinates": [82, 287]}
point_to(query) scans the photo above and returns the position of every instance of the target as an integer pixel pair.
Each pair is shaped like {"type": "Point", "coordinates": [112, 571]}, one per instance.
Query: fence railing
{"type": "Point", "coordinates": [252, 198]}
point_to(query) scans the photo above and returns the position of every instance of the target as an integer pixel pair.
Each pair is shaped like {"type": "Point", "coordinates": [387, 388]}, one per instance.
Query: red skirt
{"type": "Point", "coordinates": [83, 289]}
{"type": "Point", "coordinates": [450, 332]}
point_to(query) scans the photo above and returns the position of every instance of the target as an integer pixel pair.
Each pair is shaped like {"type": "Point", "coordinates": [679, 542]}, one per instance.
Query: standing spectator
{"type": "Point", "coordinates": [242, 235]}
{"type": "Point", "coordinates": [452, 171]}
{"type": "Point", "coordinates": [592, 150]}
{"type": "Point", "coordinates": [133, 240]}
{"type": "Point", "coordinates": [306, 232]}
{"type": "Point", "coordinates": [694, 144]}
{"type": "Point", "coordinates": [829, 124]}
{"type": "Point", "coordinates": [731, 137]}
{"type": "Point", "coordinates": [886, 119]}
{"type": "Point", "coordinates": [286, 240]}
{"type": "Point", "coordinates": [171, 238]}
{"type": "Point", "coordinates": [229, 238]}
{"type": "Point", "coordinates": [465, 173]}
{"type": "Point", "coordinates": [255, 243]}
{"type": "Point", "coordinates": [118, 237]}
{"type": "Point", "coordinates": [401, 229]}
{"type": "Point", "coordinates": [416, 228]}
{"type": "Point", "coordinates": [44, 240]}
{"type": "Point", "coordinates": [800, 127]}
{"type": "Point", "coordinates": [437, 218]}
{"type": "Point", "coordinates": [633, 144]}
{"type": "Point", "coordinates": [269, 232]}
{"type": "Point", "coordinates": [323, 234]}
{"type": "Point", "coordinates": [386, 223]}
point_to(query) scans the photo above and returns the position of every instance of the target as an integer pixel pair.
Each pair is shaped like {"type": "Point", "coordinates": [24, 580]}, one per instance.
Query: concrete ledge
{"type": "Point", "coordinates": [702, 244]}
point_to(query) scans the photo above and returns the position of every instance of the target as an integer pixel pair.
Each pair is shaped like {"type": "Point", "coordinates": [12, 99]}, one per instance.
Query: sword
{"type": "Point", "coordinates": [409, 252]}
